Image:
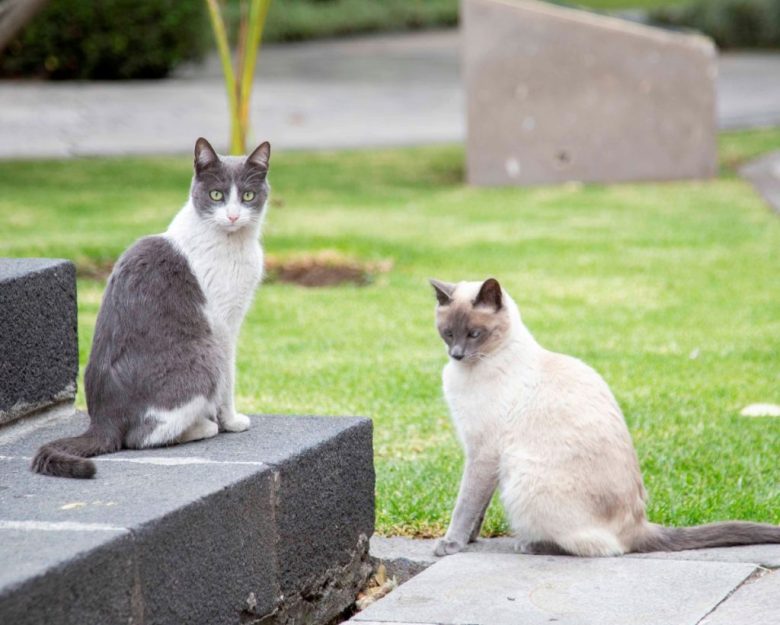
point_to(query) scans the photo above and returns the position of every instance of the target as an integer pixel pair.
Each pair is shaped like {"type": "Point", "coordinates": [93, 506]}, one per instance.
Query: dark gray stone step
{"type": "Point", "coordinates": [265, 526]}
{"type": "Point", "coordinates": [39, 356]}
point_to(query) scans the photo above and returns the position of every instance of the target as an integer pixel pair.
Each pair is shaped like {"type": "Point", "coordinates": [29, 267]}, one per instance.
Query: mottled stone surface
{"type": "Point", "coordinates": [39, 357]}
{"type": "Point", "coordinates": [266, 526]}
{"type": "Point", "coordinates": [555, 94]}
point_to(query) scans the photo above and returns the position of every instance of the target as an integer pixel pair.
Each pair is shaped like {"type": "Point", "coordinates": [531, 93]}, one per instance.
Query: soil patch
{"type": "Point", "coordinates": [322, 269]}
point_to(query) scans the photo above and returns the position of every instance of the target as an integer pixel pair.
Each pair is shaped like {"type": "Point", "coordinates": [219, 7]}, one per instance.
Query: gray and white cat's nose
{"type": "Point", "coordinates": [457, 352]}
{"type": "Point", "coordinates": [232, 218]}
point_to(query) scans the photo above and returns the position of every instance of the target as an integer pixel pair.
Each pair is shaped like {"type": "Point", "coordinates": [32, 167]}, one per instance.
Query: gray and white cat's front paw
{"type": "Point", "coordinates": [447, 546]}
{"type": "Point", "coordinates": [236, 422]}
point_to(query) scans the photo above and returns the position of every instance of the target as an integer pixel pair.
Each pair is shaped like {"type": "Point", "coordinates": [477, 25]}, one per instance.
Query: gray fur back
{"type": "Point", "coordinates": [153, 345]}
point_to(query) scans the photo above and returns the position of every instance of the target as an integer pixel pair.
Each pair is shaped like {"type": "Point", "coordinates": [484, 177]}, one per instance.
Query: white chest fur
{"type": "Point", "coordinates": [487, 399]}
{"type": "Point", "coordinates": [228, 266]}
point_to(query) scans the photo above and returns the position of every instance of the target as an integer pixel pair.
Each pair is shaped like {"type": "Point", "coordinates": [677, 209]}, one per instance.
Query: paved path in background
{"type": "Point", "coordinates": [493, 585]}
{"type": "Point", "coordinates": [372, 91]}
{"type": "Point", "coordinates": [764, 174]}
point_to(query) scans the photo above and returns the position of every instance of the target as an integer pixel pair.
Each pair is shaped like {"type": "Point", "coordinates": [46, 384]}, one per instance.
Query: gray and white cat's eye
{"type": "Point", "coordinates": [248, 196]}
{"type": "Point", "coordinates": [216, 195]}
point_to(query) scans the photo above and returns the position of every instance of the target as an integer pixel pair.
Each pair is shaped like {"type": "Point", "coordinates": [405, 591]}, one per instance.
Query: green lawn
{"type": "Point", "coordinates": [669, 290]}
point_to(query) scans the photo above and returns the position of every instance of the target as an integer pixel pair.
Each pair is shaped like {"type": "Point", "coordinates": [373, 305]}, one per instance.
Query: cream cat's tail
{"type": "Point", "coordinates": [67, 457]}
{"type": "Point", "coordinates": [726, 534]}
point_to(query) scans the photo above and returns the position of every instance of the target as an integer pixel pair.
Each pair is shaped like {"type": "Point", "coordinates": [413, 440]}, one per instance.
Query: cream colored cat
{"type": "Point", "coordinates": [545, 429]}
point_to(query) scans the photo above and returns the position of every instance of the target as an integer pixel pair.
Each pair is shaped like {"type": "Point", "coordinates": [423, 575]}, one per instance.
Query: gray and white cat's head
{"type": "Point", "coordinates": [230, 192]}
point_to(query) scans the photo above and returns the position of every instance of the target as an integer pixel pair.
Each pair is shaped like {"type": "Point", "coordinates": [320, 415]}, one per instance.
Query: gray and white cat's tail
{"type": "Point", "coordinates": [67, 457]}
{"type": "Point", "coordinates": [726, 534]}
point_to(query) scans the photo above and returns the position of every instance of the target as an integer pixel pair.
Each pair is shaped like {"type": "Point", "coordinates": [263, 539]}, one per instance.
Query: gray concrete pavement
{"type": "Point", "coordinates": [491, 584]}
{"type": "Point", "coordinates": [372, 91]}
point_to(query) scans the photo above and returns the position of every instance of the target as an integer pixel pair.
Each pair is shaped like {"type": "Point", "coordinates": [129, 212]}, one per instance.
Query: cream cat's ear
{"type": "Point", "coordinates": [205, 155]}
{"type": "Point", "coordinates": [261, 156]}
{"type": "Point", "coordinates": [489, 294]}
{"type": "Point", "coordinates": [443, 291]}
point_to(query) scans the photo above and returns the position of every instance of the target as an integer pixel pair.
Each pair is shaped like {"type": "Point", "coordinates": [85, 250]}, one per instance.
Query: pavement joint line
{"type": "Point", "coordinates": [60, 526]}
{"type": "Point", "coordinates": [166, 461]}
{"type": "Point", "coordinates": [757, 573]}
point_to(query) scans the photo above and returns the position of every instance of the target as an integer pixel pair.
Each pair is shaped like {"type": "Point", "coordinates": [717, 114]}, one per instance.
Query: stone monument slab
{"type": "Point", "coordinates": [555, 94]}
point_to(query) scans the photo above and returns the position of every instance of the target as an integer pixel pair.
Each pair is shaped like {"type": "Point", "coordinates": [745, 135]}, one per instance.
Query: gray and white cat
{"type": "Point", "coordinates": [162, 365]}
{"type": "Point", "coordinates": [545, 429]}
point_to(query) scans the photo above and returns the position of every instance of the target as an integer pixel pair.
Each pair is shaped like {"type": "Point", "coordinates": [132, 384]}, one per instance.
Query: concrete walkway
{"type": "Point", "coordinates": [373, 91]}
{"type": "Point", "coordinates": [493, 585]}
{"type": "Point", "coordinates": [764, 174]}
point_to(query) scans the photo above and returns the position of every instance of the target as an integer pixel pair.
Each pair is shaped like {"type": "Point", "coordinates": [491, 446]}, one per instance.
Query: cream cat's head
{"type": "Point", "coordinates": [472, 318]}
{"type": "Point", "coordinates": [230, 192]}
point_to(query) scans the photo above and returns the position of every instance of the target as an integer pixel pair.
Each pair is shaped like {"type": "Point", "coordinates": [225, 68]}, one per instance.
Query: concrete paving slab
{"type": "Point", "coordinates": [404, 558]}
{"type": "Point", "coordinates": [498, 589]}
{"type": "Point", "coordinates": [365, 91]}
{"type": "Point", "coordinates": [756, 602]}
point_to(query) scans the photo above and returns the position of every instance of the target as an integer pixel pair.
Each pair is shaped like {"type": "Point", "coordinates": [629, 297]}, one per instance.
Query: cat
{"type": "Point", "coordinates": [546, 430]}
{"type": "Point", "coordinates": [162, 366]}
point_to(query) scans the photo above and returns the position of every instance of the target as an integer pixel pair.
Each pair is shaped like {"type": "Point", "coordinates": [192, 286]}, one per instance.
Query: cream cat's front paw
{"type": "Point", "coordinates": [237, 422]}
{"type": "Point", "coordinates": [446, 547]}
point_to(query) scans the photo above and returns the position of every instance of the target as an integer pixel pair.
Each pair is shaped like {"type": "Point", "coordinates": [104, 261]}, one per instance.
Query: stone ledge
{"type": "Point", "coordinates": [38, 335]}
{"type": "Point", "coordinates": [266, 526]}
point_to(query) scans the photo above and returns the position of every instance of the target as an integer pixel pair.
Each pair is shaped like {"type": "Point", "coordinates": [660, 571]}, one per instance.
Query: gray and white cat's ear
{"type": "Point", "coordinates": [443, 291]}
{"type": "Point", "coordinates": [205, 156]}
{"type": "Point", "coordinates": [261, 156]}
{"type": "Point", "coordinates": [489, 295]}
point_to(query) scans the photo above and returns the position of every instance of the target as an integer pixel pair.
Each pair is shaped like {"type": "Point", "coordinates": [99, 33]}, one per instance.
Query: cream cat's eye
{"type": "Point", "coordinates": [475, 334]}
{"type": "Point", "coordinates": [248, 196]}
{"type": "Point", "coordinates": [216, 195]}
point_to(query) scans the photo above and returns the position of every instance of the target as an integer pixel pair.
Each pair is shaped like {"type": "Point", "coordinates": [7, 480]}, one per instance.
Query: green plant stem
{"type": "Point", "coordinates": [258, 12]}
{"type": "Point", "coordinates": [223, 48]}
